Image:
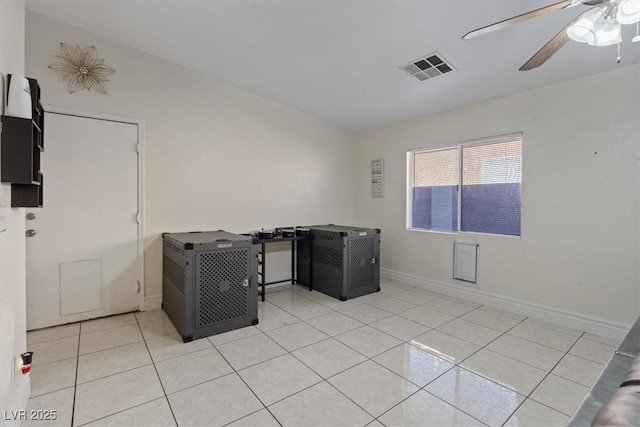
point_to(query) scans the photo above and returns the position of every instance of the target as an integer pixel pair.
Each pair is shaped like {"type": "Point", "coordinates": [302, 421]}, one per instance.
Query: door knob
{"type": "Point", "coordinates": [31, 233]}
{"type": "Point", "coordinates": [31, 216]}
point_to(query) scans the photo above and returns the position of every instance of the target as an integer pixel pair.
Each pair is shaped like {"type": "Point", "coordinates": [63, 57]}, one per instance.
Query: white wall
{"type": "Point", "coordinates": [216, 157]}
{"type": "Point", "coordinates": [14, 388]}
{"type": "Point", "coordinates": [579, 250]}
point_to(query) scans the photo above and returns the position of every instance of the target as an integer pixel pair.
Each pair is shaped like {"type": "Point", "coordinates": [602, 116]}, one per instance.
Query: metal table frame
{"type": "Point", "coordinates": [262, 262]}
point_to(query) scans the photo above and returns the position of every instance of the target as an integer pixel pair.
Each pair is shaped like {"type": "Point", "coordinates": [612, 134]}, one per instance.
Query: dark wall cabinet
{"type": "Point", "coordinates": [22, 143]}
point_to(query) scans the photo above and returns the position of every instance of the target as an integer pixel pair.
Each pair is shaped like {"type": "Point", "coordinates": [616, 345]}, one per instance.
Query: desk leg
{"type": "Point", "coordinates": [264, 270]}
{"type": "Point", "coordinates": [310, 267]}
{"type": "Point", "coordinates": [293, 261]}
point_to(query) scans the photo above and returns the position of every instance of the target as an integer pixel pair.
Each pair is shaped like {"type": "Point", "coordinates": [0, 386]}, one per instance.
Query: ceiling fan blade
{"type": "Point", "coordinates": [520, 18]}
{"type": "Point", "coordinates": [549, 49]}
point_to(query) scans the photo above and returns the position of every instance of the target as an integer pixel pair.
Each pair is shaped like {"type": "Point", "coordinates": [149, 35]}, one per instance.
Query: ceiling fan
{"type": "Point", "coordinates": [598, 26]}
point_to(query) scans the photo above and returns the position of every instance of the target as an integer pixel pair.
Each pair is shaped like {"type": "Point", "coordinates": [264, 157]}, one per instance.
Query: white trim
{"type": "Point", "coordinates": [56, 109]}
{"type": "Point", "coordinates": [459, 189]}
{"type": "Point", "coordinates": [17, 401]}
{"type": "Point", "coordinates": [141, 211]}
{"type": "Point", "coordinates": [449, 147]}
{"type": "Point", "coordinates": [476, 233]}
{"type": "Point", "coordinates": [464, 233]}
{"type": "Point", "coordinates": [565, 318]}
{"type": "Point", "coordinates": [507, 137]}
{"type": "Point", "coordinates": [49, 108]}
{"type": "Point", "coordinates": [152, 302]}
{"type": "Point", "coordinates": [488, 140]}
{"type": "Point", "coordinates": [424, 230]}
{"type": "Point", "coordinates": [409, 191]}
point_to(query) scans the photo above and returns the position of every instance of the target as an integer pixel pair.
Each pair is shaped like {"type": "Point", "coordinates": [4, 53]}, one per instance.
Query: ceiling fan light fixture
{"type": "Point", "coordinates": [628, 12]}
{"type": "Point", "coordinates": [584, 29]}
{"type": "Point", "coordinates": [608, 32]}
{"type": "Point", "coordinates": [581, 33]}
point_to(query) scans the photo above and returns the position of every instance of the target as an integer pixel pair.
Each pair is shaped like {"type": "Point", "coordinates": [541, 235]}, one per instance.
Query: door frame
{"type": "Point", "coordinates": [56, 109]}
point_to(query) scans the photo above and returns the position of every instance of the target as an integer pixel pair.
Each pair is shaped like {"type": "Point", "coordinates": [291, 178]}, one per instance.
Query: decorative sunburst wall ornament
{"type": "Point", "coordinates": [81, 68]}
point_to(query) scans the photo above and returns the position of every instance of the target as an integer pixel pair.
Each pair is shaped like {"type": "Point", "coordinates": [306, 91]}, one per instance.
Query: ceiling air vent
{"type": "Point", "coordinates": [429, 67]}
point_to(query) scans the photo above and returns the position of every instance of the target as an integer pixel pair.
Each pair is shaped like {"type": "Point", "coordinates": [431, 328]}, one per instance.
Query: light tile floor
{"type": "Point", "coordinates": [400, 357]}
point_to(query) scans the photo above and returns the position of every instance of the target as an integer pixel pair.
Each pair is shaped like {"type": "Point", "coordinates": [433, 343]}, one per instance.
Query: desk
{"type": "Point", "coordinates": [262, 262]}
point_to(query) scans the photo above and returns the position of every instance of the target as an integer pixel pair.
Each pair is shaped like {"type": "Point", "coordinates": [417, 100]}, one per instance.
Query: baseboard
{"type": "Point", "coordinates": [565, 318]}
{"type": "Point", "coordinates": [17, 402]}
{"type": "Point", "coordinates": [152, 302]}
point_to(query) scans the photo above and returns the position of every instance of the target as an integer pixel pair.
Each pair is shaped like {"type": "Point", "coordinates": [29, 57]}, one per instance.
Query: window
{"type": "Point", "coordinates": [489, 172]}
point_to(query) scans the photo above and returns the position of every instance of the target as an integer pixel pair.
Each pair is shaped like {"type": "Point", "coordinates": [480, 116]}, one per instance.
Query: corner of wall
{"type": "Point", "coordinates": [14, 388]}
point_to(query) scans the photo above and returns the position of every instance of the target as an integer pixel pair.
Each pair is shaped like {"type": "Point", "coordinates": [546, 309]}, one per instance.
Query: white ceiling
{"type": "Point", "coordinates": [340, 60]}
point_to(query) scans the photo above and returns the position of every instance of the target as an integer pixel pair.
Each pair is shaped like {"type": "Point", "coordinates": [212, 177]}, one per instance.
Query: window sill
{"type": "Point", "coordinates": [465, 233]}
{"type": "Point", "coordinates": [422, 230]}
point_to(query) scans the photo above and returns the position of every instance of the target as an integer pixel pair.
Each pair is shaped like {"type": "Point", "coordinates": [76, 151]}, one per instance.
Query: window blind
{"type": "Point", "coordinates": [436, 175]}
{"type": "Point", "coordinates": [491, 194]}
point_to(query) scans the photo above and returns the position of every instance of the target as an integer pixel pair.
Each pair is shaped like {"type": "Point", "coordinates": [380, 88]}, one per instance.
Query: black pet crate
{"type": "Point", "coordinates": [209, 282]}
{"type": "Point", "coordinates": [340, 261]}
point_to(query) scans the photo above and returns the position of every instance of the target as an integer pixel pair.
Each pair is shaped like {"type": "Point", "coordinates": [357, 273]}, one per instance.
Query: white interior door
{"type": "Point", "coordinates": [82, 261]}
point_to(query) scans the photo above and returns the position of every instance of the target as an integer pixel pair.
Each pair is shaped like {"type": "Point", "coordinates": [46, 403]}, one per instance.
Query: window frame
{"type": "Point", "coordinates": [459, 146]}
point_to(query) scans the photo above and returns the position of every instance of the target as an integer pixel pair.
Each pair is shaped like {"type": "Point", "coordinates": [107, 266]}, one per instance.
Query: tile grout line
{"type": "Point", "coordinates": [528, 396]}
{"type": "Point", "coordinates": [362, 354]}
{"type": "Point", "coordinates": [331, 376]}
{"type": "Point", "coordinates": [472, 354]}
{"type": "Point", "coordinates": [402, 343]}
{"type": "Point", "coordinates": [155, 368]}
{"type": "Point", "coordinates": [435, 396]}
{"type": "Point", "coordinates": [367, 358]}
{"type": "Point", "coordinates": [405, 342]}
{"type": "Point", "coordinates": [374, 361]}
{"type": "Point", "coordinates": [546, 406]}
{"type": "Point", "coordinates": [111, 348]}
{"type": "Point", "coordinates": [53, 361]}
{"type": "Point", "coordinates": [248, 415]}
{"type": "Point", "coordinates": [422, 388]}
{"type": "Point", "coordinates": [536, 342]}
{"type": "Point", "coordinates": [121, 411]}
{"type": "Point", "coordinates": [114, 374]}
{"type": "Point", "coordinates": [247, 385]}
{"type": "Point", "coordinates": [75, 382]}
{"type": "Point", "coordinates": [99, 351]}
{"type": "Point", "coordinates": [550, 373]}
{"type": "Point", "coordinates": [506, 355]}
{"type": "Point", "coordinates": [49, 340]}
{"type": "Point", "coordinates": [502, 333]}
{"type": "Point", "coordinates": [311, 369]}
{"type": "Point", "coordinates": [367, 412]}
{"type": "Point", "coordinates": [479, 346]}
